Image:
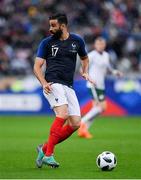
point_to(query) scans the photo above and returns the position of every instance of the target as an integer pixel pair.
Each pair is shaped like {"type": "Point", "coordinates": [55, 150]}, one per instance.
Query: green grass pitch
{"type": "Point", "coordinates": [19, 136]}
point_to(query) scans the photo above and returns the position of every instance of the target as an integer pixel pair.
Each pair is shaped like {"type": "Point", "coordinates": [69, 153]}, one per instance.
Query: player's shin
{"type": "Point", "coordinates": [66, 132]}
{"type": "Point", "coordinates": [55, 134]}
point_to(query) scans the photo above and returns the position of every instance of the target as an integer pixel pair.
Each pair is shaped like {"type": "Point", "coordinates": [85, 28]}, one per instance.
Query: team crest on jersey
{"type": "Point", "coordinates": [56, 99]}
{"type": "Point", "coordinates": [74, 47]}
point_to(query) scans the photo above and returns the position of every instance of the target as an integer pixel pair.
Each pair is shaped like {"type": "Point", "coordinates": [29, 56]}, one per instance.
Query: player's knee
{"type": "Point", "coordinates": [63, 115]}
{"type": "Point", "coordinates": [103, 106]}
{"type": "Point", "coordinates": [62, 112]}
{"type": "Point", "coordinates": [76, 125]}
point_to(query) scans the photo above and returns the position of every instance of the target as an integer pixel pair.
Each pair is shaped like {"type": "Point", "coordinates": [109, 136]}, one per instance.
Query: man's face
{"type": "Point", "coordinates": [100, 45]}
{"type": "Point", "coordinates": [55, 28]}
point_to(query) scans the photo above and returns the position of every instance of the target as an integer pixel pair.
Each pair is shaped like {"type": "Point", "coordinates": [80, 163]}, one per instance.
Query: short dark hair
{"type": "Point", "coordinates": [61, 17]}
{"type": "Point", "coordinates": [100, 38]}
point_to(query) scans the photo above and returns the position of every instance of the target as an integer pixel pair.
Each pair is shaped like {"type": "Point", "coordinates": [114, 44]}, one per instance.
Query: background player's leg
{"type": "Point", "coordinates": [89, 118]}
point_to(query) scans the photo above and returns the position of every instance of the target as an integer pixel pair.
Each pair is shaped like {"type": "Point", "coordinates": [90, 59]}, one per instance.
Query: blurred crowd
{"type": "Point", "coordinates": [23, 24]}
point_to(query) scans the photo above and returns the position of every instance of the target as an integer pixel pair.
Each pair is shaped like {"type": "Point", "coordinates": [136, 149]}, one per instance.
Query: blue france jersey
{"type": "Point", "coordinates": [60, 56]}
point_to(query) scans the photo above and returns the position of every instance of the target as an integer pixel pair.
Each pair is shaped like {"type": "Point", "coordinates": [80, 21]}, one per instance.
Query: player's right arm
{"type": "Point", "coordinates": [39, 74]}
{"type": "Point", "coordinates": [39, 61]}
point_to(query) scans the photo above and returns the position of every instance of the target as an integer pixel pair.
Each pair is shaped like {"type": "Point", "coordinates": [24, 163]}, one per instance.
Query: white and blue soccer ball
{"type": "Point", "coordinates": [106, 161]}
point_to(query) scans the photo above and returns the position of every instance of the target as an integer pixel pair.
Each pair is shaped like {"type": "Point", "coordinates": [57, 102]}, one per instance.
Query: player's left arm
{"type": "Point", "coordinates": [85, 69]}
{"type": "Point", "coordinates": [84, 60]}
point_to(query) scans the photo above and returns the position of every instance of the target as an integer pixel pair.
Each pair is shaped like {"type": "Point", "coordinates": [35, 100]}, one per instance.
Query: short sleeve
{"type": "Point", "coordinates": [42, 50]}
{"type": "Point", "coordinates": [91, 57]}
{"type": "Point", "coordinates": [82, 49]}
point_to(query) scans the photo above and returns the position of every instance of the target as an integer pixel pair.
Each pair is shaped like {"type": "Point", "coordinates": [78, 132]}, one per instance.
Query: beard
{"type": "Point", "coordinates": [57, 34]}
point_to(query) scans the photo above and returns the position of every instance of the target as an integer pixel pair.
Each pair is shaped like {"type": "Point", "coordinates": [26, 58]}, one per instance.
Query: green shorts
{"type": "Point", "coordinates": [100, 93]}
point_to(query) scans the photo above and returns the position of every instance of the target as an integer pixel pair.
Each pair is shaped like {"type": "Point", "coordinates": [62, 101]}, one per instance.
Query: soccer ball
{"type": "Point", "coordinates": [106, 161]}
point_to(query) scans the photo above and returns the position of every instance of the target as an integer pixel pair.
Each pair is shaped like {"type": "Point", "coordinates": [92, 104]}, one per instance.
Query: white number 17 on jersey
{"type": "Point", "coordinates": [54, 51]}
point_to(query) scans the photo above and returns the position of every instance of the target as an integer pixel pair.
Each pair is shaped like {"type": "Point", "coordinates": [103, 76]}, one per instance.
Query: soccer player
{"type": "Point", "coordinates": [98, 67]}
{"type": "Point", "coordinates": [59, 51]}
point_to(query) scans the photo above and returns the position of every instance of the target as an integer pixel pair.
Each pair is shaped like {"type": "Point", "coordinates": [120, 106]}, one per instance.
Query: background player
{"type": "Point", "coordinates": [59, 51]}
{"type": "Point", "coordinates": [99, 65]}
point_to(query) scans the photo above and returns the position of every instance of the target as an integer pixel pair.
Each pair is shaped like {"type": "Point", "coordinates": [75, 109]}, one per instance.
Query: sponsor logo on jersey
{"type": "Point", "coordinates": [54, 45]}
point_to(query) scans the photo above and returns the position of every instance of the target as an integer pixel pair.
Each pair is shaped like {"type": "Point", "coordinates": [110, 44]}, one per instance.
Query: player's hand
{"type": "Point", "coordinates": [118, 73]}
{"type": "Point", "coordinates": [87, 77]}
{"type": "Point", "coordinates": [47, 87]}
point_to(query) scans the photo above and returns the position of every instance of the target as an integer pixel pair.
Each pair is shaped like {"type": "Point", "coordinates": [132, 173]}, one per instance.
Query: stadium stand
{"type": "Point", "coordinates": [24, 23]}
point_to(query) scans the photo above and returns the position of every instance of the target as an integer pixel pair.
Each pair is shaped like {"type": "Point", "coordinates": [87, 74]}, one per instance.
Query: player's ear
{"type": "Point", "coordinates": [63, 25]}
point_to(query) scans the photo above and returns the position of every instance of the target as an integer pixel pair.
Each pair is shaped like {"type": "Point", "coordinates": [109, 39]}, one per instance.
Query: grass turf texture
{"type": "Point", "coordinates": [19, 137]}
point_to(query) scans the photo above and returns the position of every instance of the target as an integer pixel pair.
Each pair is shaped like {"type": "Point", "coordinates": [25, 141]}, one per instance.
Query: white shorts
{"type": "Point", "coordinates": [62, 94]}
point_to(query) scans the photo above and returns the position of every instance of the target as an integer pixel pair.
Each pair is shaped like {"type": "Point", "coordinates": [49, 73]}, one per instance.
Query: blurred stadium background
{"type": "Point", "coordinates": [23, 24]}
